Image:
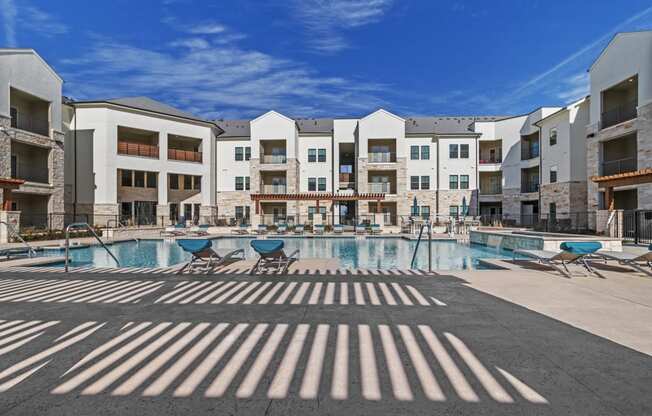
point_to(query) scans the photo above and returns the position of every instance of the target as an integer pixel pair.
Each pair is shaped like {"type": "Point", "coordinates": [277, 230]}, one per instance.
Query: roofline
{"type": "Point", "coordinates": [30, 50]}
{"type": "Point", "coordinates": [613, 38]}
{"type": "Point", "coordinates": [561, 110]}
{"type": "Point", "coordinates": [111, 104]}
{"type": "Point", "coordinates": [382, 110]}
{"type": "Point", "coordinates": [272, 112]}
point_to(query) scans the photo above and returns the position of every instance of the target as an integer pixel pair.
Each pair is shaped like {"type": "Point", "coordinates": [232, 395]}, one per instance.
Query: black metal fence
{"type": "Point", "coordinates": [624, 112]}
{"type": "Point", "coordinates": [637, 226]}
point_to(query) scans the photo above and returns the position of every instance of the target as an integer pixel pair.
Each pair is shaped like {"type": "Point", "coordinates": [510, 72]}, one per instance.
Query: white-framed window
{"type": "Point", "coordinates": [553, 174]}
{"type": "Point", "coordinates": [553, 136]}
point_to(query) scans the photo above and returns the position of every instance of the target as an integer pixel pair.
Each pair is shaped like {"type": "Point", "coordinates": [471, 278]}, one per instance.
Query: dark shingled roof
{"type": "Point", "coordinates": [444, 125]}
{"type": "Point", "coordinates": [315, 125]}
{"type": "Point", "coordinates": [234, 128]}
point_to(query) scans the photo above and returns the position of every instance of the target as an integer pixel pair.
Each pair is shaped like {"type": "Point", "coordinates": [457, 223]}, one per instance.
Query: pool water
{"type": "Point", "coordinates": [374, 253]}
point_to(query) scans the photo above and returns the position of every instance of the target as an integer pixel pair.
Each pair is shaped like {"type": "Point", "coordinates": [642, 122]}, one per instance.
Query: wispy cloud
{"type": "Point", "coordinates": [214, 80]}
{"type": "Point", "coordinates": [8, 12]}
{"type": "Point", "coordinates": [207, 29]}
{"type": "Point", "coordinates": [328, 20]}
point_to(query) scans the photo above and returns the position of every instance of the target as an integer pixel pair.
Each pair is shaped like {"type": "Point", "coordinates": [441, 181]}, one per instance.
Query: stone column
{"type": "Point", "coordinates": [12, 218]}
{"type": "Point", "coordinates": [56, 173]}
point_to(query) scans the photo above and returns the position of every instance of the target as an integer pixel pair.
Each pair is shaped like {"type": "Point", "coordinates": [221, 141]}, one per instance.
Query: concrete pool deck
{"type": "Point", "coordinates": [465, 343]}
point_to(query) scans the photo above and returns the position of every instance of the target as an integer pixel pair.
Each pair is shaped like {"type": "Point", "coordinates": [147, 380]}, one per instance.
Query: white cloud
{"type": "Point", "coordinates": [209, 80]}
{"type": "Point", "coordinates": [327, 20]}
{"type": "Point", "coordinates": [207, 29]}
{"type": "Point", "coordinates": [574, 87]}
{"type": "Point", "coordinates": [8, 12]}
{"type": "Point", "coordinates": [191, 43]}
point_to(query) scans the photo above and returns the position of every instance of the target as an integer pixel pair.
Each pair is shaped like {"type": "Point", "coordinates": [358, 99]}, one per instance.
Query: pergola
{"type": "Point", "coordinates": [609, 182]}
{"type": "Point", "coordinates": [7, 185]}
{"type": "Point", "coordinates": [317, 197]}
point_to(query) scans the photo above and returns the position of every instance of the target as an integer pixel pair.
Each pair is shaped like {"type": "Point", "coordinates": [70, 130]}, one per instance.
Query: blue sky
{"type": "Point", "coordinates": [311, 58]}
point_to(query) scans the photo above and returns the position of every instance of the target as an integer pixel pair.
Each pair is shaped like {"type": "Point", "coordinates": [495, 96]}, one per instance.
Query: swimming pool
{"type": "Point", "coordinates": [374, 253]}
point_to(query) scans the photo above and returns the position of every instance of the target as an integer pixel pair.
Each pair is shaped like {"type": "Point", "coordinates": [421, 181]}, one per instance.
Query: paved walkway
{"type": "Point", "coordinates": [482, 343]}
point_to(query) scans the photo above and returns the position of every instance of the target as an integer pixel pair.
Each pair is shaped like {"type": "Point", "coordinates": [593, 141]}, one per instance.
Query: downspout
{"type": "Point", "coordinates": [438, 184]}
{"type": "Point", "coordinates": [74, 203]}
{"type": "Point", "coordinates": [477, 176]}
{"type": "Point", "coordinates": [540, 170]}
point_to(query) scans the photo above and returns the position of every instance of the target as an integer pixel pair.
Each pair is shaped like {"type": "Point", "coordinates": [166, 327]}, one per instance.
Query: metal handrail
{"type": "Point", "coordinates": [85, 225]}
{"type": "Point", "coordinates": [13, 231]}
{"type": "Point", "coordinates": [416, 249]}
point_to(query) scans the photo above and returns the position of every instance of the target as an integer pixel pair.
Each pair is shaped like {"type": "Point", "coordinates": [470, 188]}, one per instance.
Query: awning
{"type": "Point", "coordinates": [624, 179]}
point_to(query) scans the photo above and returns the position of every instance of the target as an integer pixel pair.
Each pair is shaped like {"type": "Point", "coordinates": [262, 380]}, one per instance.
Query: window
{"type": "Point", "coordinates": [553, 137]}
{"type": "Point", "coordinates": [464, 151]}
{"type": "Point", "coordinates": [312, 155]}
{"type": "Point", "coordinates": [453, 211]}
{"type": "Point", "coordinates": [313, 210]}
{"type": "Point", "coordinates": [13, 113]}
{"type": "Point", "coordinates": [197, 183]}
{"type": "Point", "coordinates": [425, 152]}
{"type": "Point", "coordinates": [414, 152]}
{"type": "Point", "coordinates": [139, 179]}
{"type": "Point", "coordinates": [552, 209]}
{"type": "Point", "coordinates": [321, 184]}
{"type": "Point", "coordinates": [452, 151]}
{"type": "Point", "coordinates": [247, 154]}
{"type": "Point", "coordinates": [125, 178]}
{"type": "Point", "coordinates": [187, 182]}
{"type": "Point", "coordinates": [174, 181]}
{"type": "Point", "coordinates": [425, 182]}
{"type": "Point", "coordinates": [425, 212]}
{"type": "Point", "coordinates": [464, 181]}
{"type": "Point", "coordinates": [239, 183]}
{"type": "Point", "coordinates": [247, 183]}
{"type": "Point", "coordinates": [242, 214]}
{"type": "Point", "coordinates": [321, 156]}
{"type": "Point", "coordinates": [452, 182]}
{"type": "Point", "coordinates": [174, 213]}
{"type": "Point", "coordinates": [151, 179]}
{"type": "Point", "coordinates": [553, 174]}
{"type": "Point", "coordinates": [312, 184]}
{"type": "Point", "coordinates": [414, 182]}
{"type": "Point", "coordinates": [239, 153]}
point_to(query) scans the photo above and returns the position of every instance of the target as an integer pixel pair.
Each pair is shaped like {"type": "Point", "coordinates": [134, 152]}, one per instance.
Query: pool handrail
{"type": "Point", "coordinates": [31, 252]}
{"type": "Point", "coordinates": [84, 225]}
{"type": "Point", "coordinates": [416, 248]}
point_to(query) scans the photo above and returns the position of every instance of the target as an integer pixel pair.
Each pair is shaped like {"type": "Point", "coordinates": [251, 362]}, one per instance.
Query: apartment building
{"type": "Point", "coordinates": [138, 161]}
{"type": "Point", "coordinates": [619, 131]}
{"type": "Point", "coordinates": [31, 138]}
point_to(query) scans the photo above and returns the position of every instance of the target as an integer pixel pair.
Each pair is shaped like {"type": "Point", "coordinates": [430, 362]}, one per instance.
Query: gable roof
{"type": "Point", "coordinates": [612, 40]}
{"type": "Point", "coordinates": [9, 51]}
{"type": "Point", "coordinates": [234, 128]}
{"type": "Point", "coordinates": [315, 125]}
{"type": "Point", "coordinates": [445, 125]}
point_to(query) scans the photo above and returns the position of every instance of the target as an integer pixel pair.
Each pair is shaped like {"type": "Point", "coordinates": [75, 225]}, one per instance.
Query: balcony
{"type": "Point", "coordinates": [620, 114]}
{"type": "Point", "coordinates": [29, 113]}
{"type": "Point", "coordinates": [274, 189]}
{"type": "Point", "coordinates": [491, 160]}
{"type": "Point", "coordinates": [530, 186]}
{"type": "Point", "coordinates": [380, 188]}
{"type": "Point", "coordinates": [491, 190]}
{"type": "Point", "coordinates": [29, 163]}
{"type": "Point", "coordinates": [31, 174]}
{"type": "Point", "coordinates": [381, 151]}
{"type": "Point", "coordinates": [382, 157]}
{"type": "Point", "coordinates": [273, 152]}
{"type": "Point", "coordinates": [185, 155]}
{"type": "Point", "coordinates": [137, 149]}
{"type": "Point", "coordinates": [273, 159]}
{"type": "Point", "coordinates": [614, 167]}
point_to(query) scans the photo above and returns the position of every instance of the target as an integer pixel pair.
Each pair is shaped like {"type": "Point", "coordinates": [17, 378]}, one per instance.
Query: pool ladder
{"type": "Point", "coordinates": [12, 231]}
{"type": "Point", "coordinates": [427, 225]}
{"type": "Point", "coordinates": [89, 228]}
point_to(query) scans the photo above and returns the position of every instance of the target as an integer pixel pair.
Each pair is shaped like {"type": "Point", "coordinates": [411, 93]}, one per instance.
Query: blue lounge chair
{"type": "Point", "coordinates": [282, 229]}
{"type": "Point", "coordinates": [200, 230]}
{"type": "Point", "coordinates": [262, 229]}
{"type": "Point", "coordinates": [375, 229]}
{"type": "Point", "coordinates": [361, 228]}
{"type": "Point", "coordinates": [177, 230]}
{"type": "Point", "coordinates": [634, 260]}
{"type": "Point", "coordinates": [338, 229]}
{"type": "Point", "coordinates": [571, 252]}
{"type": "Point", "coordinates": [318, 229]}
{"type": "Point", "coordinates": [203, 254]}
{"type": "Point", "coordinates": [242, 229]}
{"type": "Point", "coordinates": [272, 256]}
{"type": "Point", "coordinates": [298, 229]}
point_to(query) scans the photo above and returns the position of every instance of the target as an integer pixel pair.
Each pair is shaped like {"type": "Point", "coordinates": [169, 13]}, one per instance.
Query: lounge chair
{"type": "Point", "coordinates": [338, 229]}
{"type": "Point", "coordinates": [272, 256]}
{"type": "Point", "coordinates": [361, 228]}
{"type": "Point", "coordinates": [262, 229]}
{"type": "Point", "coordinates": [298, 229]}
{"type": "Point", "coordinates": [318, 229]}
{"type": "Point", "coordinates": [177, 230]}
{"type": "Point", "coordinates": [571, 252]}
{"type": "Point", "coordinates": [282, 229]}
{"type": "Point", "coordinates": [375, 229]}
{"type": "Point", "coordinates": [631, 259]}
{"type": "Point", "coordinates": [242, 229]}
{"type": "Point", "coordinates": [204, 256]}
{"type": "Point", "coordinates": [200, 230]}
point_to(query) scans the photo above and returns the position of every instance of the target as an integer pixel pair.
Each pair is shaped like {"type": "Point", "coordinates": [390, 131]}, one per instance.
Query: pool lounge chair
{"type": "Point", "coordinates": [282, 229]}
{"type": "Point", "coordinates": [338, 229]}
{"type": "Point", "coordinates": [571, 252]}
{"type": "Point", "coordinates": [633, 260]}
{"type": "Point", "coordinates": [272, 256]}
{"type": "Point", "coordinates": [318, 229]}
{"type": "Point", "coordinates": [204, 256]}
{"type": "Point", "coordinates": [361, 228]}
{"type": "Point", "coordinates": [375, 229]}
{"type": "Point", "coordinates": [177, 230]}
{"type": "Point", "coordinates": [262, 229]}
{"type": "Point", "coordinates": [199, 230]}
{"type": "Point", "coordinates": [298, 229]}
{"type": "Point", "coordinates": [242, 229]}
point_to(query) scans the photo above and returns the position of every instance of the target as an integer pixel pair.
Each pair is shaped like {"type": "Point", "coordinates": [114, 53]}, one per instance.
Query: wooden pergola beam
{"type": "Point", "coordinates": [317, 197]}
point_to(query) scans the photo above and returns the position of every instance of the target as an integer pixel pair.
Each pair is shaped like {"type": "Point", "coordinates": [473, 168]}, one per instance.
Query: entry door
{"type": "Point", "coordinates": [145, 212]}
{"type": "Point", "coordinates": [187, 211]}
{"type": "Point", "coordinates": [195, 213]}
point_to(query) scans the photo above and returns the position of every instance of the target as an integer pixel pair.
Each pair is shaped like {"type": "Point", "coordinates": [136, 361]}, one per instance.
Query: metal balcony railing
{"type": "Point", "coordinates": [31, 124]}
{"type": "Point", "coordinates": [491, 190]}
{"type": "Point", "coordinates": [137, 149]}
{"type": "Point", "coordinates": [31, 174]}
{"type": "Point", "coordinates": [274, 189]}
{"type": "Point", "coordinates": [529, 152]}
{"type": "Point", "coordinates": [382, 157]}
{"type": "Point", "coordinates": [184, 155]}
{"type": "Point", "coordinates": [380, 188]}
{"type": "Point", "coordinates": [273, 159]}
{"type": "Point", "coordinates": [529, 186]}
{"type": "Point", "coordinates": [491, 160]}
{"type": "Point", "coordinates": [622, 113]}
{"type": "Point", "coordinates": [614, 167]}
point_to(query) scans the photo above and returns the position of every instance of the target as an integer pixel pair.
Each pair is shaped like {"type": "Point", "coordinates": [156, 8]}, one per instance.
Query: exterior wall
{"type": "Point", "coordinates": [569, 197]}
{"type": "Point", "coordinates": [315, 169]}
{"type": "Point", "coordinates": [644, 147]}
{"type": "Point", "coordinates": [448, 166]}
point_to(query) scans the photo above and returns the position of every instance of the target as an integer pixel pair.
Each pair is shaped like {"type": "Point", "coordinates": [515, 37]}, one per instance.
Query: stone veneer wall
{"type": "Point", "coordinates": [456, 197]}
{"type": "Point", "coordinates": [401, 199]}
{"type": "Point", "coordinates": [644, 143]}
{"type": "Point", "coordinates": [570, 197]}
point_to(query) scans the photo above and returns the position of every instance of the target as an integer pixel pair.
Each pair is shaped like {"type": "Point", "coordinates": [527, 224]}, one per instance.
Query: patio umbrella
{"type": "Point", "coordinates": [415, 207]}
{"type": "Point", "coordinates": [464, 206]}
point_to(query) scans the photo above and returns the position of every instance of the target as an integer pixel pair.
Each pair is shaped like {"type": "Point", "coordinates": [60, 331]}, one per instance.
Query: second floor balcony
{"type": "Point", "coordinates": [136, 142]}
{"type": "Point", "coordinates": [381, 151]}
{"type": "Point", "coordinates": [624, 112]}
{"type": "Point", "coordinates": [184, 149]}
{"type": "Point", "coordinates": [530, 146]}
{"type": "Point", "coordinates": [274, 189]}
{"type": "Point", "coordinates": [619, 103]}
{"type": "Point", "coordinates": [184, 155]}
{"type": "Point", "coordinates": [380, 188]}
{"type": "Point", "coordinates": [615, 167]}
{"type": "Point", "coordinates": [29, 113]}
{"type": "Point", "coordinates": [29, 163]}
{"type": "Point", "coordinates": [273, 152]}
{"type": "Point", "coordinates": [274, 159]}
{"type": "Point", "coordinates": [491, 189]}
{"type": "Point", "coordinates": [137, 149]}
{"type": "Point", "coordinates": [529, 186]}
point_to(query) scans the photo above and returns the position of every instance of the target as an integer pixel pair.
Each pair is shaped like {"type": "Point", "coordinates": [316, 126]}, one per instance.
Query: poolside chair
{"type": "Point", "coordinates": [338, 229]}
{"type": "Point", "coordinates": [204, 256]}
{"type": "Point", "coordinates": [375, 229]}
{"type": "Point", "coordinates": [272, 256]}
{"type": "Point", "coordinates": [571, 252]}
{"type": "Point", "coordinates": [282, 229]}
{"type": "Point", "coordinates": [631, 259]}
{"type": "Point", "coordinates": [242, 229]}
{"type": "Point", "coordinates": [177, 230]}
{"type": "Point", "coordinates": [262, 229]}
{"type": "Point", "coordinates": [361, 228]}
{"type": "Point", "coordinates": [199, 230]}
{"type": "Point", "coordinates": [318, 229]}
{"type": "Point", "coordinates": [299, 228]}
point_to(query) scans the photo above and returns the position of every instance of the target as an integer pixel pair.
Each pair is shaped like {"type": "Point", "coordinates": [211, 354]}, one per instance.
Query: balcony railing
{"type": "Point", "coordinates": [491, 190]}
{"type": "Point", "coordinates": [530, 186]}
{"type": "Point", "coordinates": [529, 152]}
{"type": "Point", "coordinates": [273, 159]}
{"type": "Point", "coordinates": [137, 149]}
{"type": "Point", "coordinates": [382, 157]}
{"type": "Point", "coordinates": [614, 167]}
{"type": "Point", "coordinates": [274, 189]}
{"type": "Point", "coordinates": [380, 188]}
{"type": "Point", "coordinates": [491, 160]}
{"type": "Point", "coordinates": [619, 114]}
{"type": "Point", "coordinates": [32, 124]}
{"type": "Point", "coordinates": [184, 155]}
{"type": "Point", "coordinates": [31, 174]}
{"type": "Point", "coordinates": [347, 186]}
